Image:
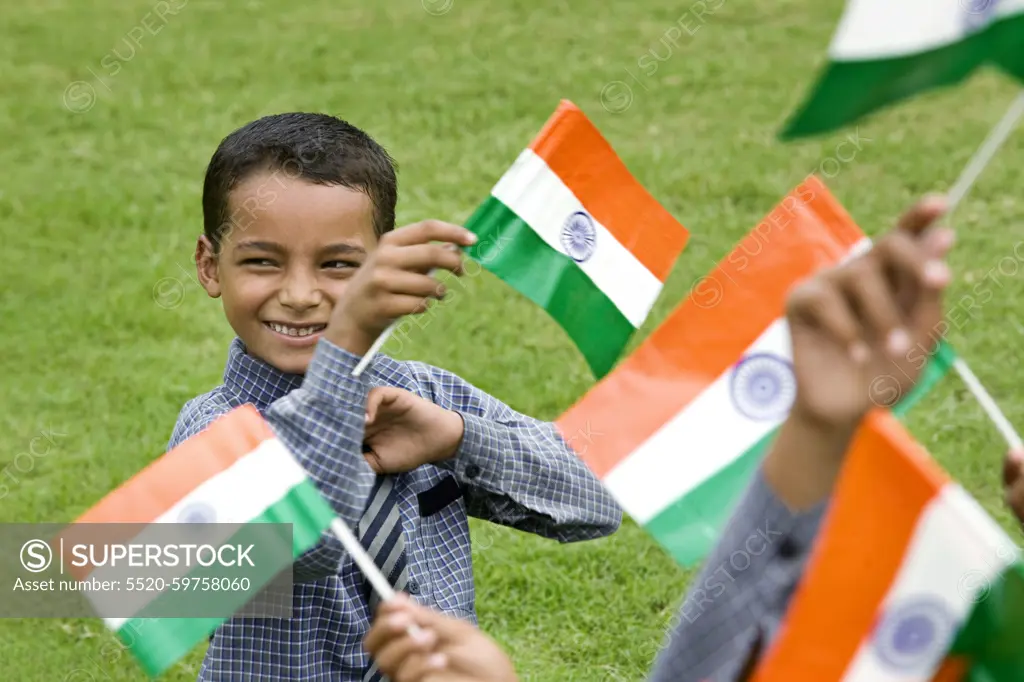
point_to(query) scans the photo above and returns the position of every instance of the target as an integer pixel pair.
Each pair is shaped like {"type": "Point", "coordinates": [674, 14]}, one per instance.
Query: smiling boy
{"type": "Point", "coordinates": [299, 245]}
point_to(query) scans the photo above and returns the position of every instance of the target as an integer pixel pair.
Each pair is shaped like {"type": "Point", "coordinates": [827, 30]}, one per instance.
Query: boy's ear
{"type": "Point", "coordinates": [208, 266]}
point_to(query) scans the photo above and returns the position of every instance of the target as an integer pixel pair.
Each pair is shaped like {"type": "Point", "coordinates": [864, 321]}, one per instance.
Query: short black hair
{"type": "Point", "coordinates": [317, 148]}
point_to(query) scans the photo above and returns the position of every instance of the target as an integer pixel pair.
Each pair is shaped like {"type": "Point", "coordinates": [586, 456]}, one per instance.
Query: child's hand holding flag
{"type": "Point", "coordinates": [396, 280]}
{"type": "Point", "coordinates": [850, 325]}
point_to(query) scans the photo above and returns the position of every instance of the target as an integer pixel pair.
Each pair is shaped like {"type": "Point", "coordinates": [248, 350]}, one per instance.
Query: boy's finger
{"type": "Point", "coordinates": [374, 461]}
{"type": "Point", "coordinates": [938, 242]}
{"type": "Point", "coordinates": [432, 230]}
{"type": "Point", "coordinates": [920, 278]}
{"type": "Point", "coordinates": [381, 398]}
{"type": "Point", "coordinates": [928, 311]}
{"type": "Point", "coordinates": [373, 401]}
{"type": "Point", "coordinates": [449, 630]}
{"type": "Point", "coordinates": [421, 667]}
{"type": "Point", "coordinates": [818, 305]}
{"type": "Point", "coordinates": [397, 651]}
{"type": "Point", "coordinates": [923, 214]}
{"type": "Point", "coordinates": [413, 284]}
{"type": "Point", "coordinates": [385, 626]}
{"type": "Point", "coordinates": [863, 283]}
{"type": "Point", "coordinates": [394, 306]}
{"type": "Point", "coordinates": [902, 261]}
{"type": "Point", "coordinates": [422, 258]}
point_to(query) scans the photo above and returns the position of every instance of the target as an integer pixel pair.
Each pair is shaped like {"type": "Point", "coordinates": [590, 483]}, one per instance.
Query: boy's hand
{"type": "Point", "coordinates": [858, 322]}
{"type": "Point", "coordinates": [448, 650]}
{"type": "Point", "coordinates": [394, 282]}
{"type": "Point", "coordinates": [404, 431]}
{"type": "Point", "coordinates": [852, 325]}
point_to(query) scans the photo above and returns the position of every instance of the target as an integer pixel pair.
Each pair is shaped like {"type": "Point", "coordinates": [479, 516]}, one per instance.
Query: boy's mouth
{"type": "Point", "coordinates": [295, 332]}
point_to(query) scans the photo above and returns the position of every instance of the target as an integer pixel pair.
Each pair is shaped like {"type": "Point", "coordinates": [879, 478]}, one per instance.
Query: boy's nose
{"type": "Point", "coordinates": [300, 293]}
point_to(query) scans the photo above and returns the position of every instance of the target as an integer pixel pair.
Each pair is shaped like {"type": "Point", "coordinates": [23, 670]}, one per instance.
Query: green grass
{"type": "Point", "coordinates": [106, 335]}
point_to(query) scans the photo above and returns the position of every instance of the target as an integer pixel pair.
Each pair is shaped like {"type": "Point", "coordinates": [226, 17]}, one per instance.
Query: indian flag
{"type": "Point", "coordinates": [887, 50]}
{"type": "Point", "coordinates": [910, 580]}
{"type": "Point", "coordinates": [676, 432]}
{"type": "Point", "coordinates": [569, 228]}
{"type": "Point", "coordinates": [234, 472]}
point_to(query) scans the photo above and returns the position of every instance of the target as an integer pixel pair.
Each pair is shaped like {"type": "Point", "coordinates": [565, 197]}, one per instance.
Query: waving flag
{"type": "Point", "coordinates": [234, 472]}
{"type": "Point", "coordinates": [885, 51]}
{"type": "Point", "coordinates": [910, 579]}
{"type": "Point", "coordinates": [684, 421]}
{"type": "Point", "coordinates": [572, 230]}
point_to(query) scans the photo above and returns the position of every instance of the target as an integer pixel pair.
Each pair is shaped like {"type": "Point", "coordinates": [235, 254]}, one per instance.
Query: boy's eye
{"type": "Point", "coordinates": [340, 264]}
{"type": "Point", "coordinates": [261, 262]}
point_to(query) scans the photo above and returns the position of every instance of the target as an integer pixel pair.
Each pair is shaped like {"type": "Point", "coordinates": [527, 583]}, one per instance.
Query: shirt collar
{"type": "Point", "coordinates": [254, 380]}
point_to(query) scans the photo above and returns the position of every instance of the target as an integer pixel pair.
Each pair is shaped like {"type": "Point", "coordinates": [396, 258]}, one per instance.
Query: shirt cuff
{"type": "Point", "coordinates": [329, 376]}
{"type": "Point", "coordinates": [799, 528]}
{"type": "Point", "coordinates": [478, 459]}
{"type": "Point", "coordinates": [794, 534]}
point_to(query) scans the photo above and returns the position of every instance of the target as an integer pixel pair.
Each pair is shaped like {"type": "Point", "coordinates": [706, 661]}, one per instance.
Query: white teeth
{"type": "Point", "coordinates": [295, 331]}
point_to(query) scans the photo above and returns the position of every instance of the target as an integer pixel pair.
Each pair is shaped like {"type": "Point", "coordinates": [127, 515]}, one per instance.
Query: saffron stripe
{"type": "Point", "coordinates": [534, 193]}
{"type": "Point", "coordinates": [577, 152]}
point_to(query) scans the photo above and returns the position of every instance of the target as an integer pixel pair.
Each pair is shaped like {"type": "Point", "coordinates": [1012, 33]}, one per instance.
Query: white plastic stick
{"type": "Point", "coordinates": [986, 152]}
{"type": "Point", "coordinates": [363, 560]}
{"type": "Point", "coordinates": [374, 349]}
{"type": "Point", "coordinates": [366, 564]}
{"type": "Point", "coordinates": [963, 185]}
{"type": "Point", "coordinates": [989, 405]}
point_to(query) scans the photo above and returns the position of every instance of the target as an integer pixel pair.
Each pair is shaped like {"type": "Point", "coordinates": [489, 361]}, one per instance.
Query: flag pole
{"type": "Point", "coordinates": [984, 155]}
{"type": "Point", "coordinates": [956, 194]}
{"type": "Point", "coordinates": [374, 349]}
{"type": "Point", "coordinates": [366, 564]}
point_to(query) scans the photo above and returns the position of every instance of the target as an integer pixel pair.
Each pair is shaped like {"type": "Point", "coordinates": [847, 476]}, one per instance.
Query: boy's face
{"type": "Point", "coordinates": [282, 267]}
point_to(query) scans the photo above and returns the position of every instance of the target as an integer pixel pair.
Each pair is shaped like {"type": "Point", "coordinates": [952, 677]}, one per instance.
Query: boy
{"type": "Point", "coordinates": [849, 325]}
{"type": "Point", "coordinates": [298, 214]}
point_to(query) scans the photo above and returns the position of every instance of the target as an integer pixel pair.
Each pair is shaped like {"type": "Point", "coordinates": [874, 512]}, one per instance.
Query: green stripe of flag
{"type": "Point", "coordinates": [689, 528]}
{"type": "Point", "coordinates": [158, 639]}
{"type": "Point", "coordinates": [510, 249]}
{"type": "Point", "coordinates": [850, 90]}
{"type": "Point", "coordinates": [992, 635]}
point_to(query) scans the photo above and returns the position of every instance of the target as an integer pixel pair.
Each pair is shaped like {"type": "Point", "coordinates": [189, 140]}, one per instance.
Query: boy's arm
{"type": "Point", "coordinates": [518, 471]}
{"type": "Point", "coordinates": [735, 605]}
{"type": "Point", "coordinates": [195, 417]}
{"type": "Point", "coordinates": [321, 424]}
{"type": "Point", "coordinates": [849, 325]}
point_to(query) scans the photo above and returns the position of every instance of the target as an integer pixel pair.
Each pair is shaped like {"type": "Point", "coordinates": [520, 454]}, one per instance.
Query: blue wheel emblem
{"type": "Point", "coordinates": [579, 236]}
{"type": "Point", "coordinates": [914, 635]}
{"type": "Point", "coordinates": [763, 387]}
{"type": "Point", "coordinates": [198, 512]}
{"type": "Point", "coordinates": [978, 13]}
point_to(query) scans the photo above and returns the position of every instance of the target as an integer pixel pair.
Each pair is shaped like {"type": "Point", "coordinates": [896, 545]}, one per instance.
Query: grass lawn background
{"type": "Point", "coordinates": [106, 335]}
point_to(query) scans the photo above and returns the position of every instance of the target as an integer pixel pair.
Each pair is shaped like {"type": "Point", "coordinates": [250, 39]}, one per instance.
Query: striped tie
{"type": "Point", "coordinates": [380, 531]}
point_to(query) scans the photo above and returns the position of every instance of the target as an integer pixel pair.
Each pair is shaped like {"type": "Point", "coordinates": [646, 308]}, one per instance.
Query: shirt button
{"type": "Point", "coordinates": [472, 471]}
{"type": "Point", "coordinates": [414, 587]}
{"type": "Point", "coordinates": [788, 548]}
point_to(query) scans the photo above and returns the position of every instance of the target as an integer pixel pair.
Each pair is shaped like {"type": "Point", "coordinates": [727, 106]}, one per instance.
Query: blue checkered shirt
{"type": "Point", "coordinates": [735, 606]}
{"type": "Point", "coordinates": [511, 469]}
